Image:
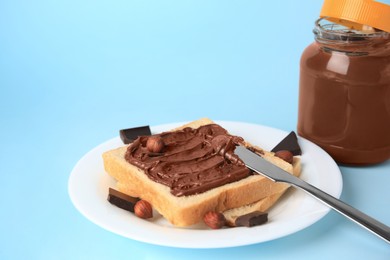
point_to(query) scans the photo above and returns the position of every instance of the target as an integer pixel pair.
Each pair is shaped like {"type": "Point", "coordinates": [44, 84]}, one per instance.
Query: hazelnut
{"type": "Point", "coordinates": [214, 220]}
{"type": "Point", "coordinates": [143, 209]}
{"type": "Point", "coordinates": [155, 144]}
{"type": "Point", "coordinates": [285, 155]}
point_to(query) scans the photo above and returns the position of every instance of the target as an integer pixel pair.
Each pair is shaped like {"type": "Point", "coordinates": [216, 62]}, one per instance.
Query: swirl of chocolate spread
{"type": "Point", "coordinates": [192, 161]}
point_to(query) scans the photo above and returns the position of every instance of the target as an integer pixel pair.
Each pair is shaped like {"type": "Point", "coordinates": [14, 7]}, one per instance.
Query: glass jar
{"type": "Point", "coordinates": [344, 93]}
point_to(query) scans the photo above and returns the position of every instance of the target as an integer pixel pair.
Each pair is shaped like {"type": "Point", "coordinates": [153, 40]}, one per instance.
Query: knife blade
{"type": "Point", "coordinates": [260, 165]}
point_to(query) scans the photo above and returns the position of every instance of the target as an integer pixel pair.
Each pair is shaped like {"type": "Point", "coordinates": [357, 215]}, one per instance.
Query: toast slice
{"type": "Point", "coordinates": [252, 192]}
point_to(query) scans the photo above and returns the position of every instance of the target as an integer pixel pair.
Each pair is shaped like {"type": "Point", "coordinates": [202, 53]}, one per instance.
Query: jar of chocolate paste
{"type": "Point", "coordinates": [344, 93]}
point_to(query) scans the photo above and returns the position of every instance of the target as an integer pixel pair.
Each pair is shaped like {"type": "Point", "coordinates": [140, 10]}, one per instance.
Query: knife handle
{"type": "Point", "coordinates": [354, 214]}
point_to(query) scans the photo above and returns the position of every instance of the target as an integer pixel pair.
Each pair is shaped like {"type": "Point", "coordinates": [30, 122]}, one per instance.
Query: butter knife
{"type": "Point", "coordinates": [263, 167]}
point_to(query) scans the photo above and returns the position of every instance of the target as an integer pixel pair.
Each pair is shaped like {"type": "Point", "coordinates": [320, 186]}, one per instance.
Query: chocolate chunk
{"type": "Point", "coordinates": [252, 219]}
{"type": "Point", "coordinates": [289, 143]}
{"type": "Point", "coordinates": [130, 134]}
{"type": "Point", "coordinates": [121, 200]}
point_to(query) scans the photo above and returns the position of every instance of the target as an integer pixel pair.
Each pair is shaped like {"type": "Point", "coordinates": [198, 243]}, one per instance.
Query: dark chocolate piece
{"type": "Point", "coordinates": [289, 143]}
{"type": "Point", "coordinates": [130, 134]}
{"type": "Point", "coordinates": [121, 200]}
{"type": "Point", "coordinates": [251, 219]}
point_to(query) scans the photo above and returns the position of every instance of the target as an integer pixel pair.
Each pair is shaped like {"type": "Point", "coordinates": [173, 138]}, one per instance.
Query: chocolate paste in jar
{"type": "Point", "coordinates": [344, 95]}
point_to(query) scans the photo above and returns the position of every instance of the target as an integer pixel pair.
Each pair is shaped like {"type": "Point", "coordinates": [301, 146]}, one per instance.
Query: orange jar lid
{"type": "Point", "coordinates": [357, 13]}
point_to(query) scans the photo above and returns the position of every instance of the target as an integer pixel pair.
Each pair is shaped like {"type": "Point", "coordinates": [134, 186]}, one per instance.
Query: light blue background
{"type": "Point", "coordinates": [72, 73]}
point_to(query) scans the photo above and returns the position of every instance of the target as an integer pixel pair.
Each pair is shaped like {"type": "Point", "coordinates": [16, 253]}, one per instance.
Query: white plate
{"type": "Point", "coordinates": [88, 189]}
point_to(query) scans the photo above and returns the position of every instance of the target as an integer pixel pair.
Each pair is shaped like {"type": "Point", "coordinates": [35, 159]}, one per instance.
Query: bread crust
{"type": "Point", "coordinates": [188, 210]}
